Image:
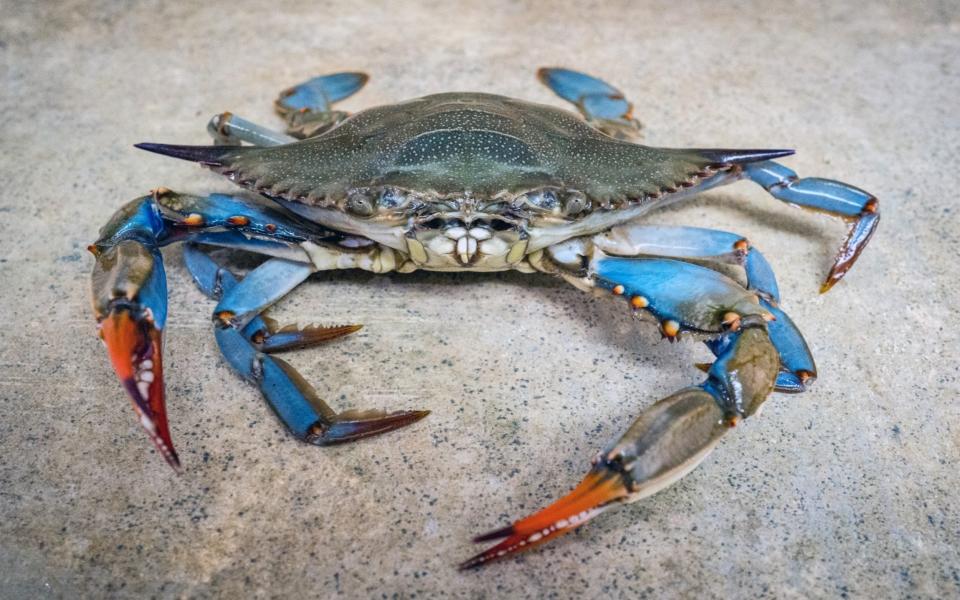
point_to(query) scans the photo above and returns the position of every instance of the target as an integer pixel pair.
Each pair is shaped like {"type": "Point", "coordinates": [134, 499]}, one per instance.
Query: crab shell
{"type": "Point", "coordinates": [466, 180]}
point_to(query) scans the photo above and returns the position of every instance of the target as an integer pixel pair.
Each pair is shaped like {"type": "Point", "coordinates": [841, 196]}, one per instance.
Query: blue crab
{"type": "Point", "coordinates": [470, 182]}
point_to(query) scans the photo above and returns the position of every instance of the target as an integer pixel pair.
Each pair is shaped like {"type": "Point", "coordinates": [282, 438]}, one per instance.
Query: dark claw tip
{"type": "Point", "coordinates": [494, 535]}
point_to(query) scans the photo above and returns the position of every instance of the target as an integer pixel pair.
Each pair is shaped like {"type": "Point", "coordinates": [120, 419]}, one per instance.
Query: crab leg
{"type": "Point", "coordinates": [130, 303]}
{"type": "Point", "coordinates": [129, 290]}
{"type": "Point", "coordinates": [308, 106]}
{"type": "Point", "coordinates": [601, 104]}
{"type": "Point", "coordinates": [228, 129]}
{"type": "Point", "coordinates": [695, 243]}
{"type": "Point", "coordinates": [240, 335]}
{"type": "Point", "coordinates": [857, 207]}
{"type": "Point", "coordinates": [669, 439]}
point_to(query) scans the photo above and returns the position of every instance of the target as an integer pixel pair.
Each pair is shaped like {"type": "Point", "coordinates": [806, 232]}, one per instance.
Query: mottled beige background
{"type": "Point", "coordinates": [849, 490]}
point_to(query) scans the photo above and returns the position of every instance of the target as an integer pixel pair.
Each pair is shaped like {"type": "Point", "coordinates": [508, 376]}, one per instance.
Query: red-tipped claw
{"type": "Point", "coordinates": [600, 489]}
{"type": "Point", "coordinates": [134, 345]}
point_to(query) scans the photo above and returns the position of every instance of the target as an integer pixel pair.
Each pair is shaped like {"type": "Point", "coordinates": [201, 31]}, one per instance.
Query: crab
{"type": "Point", "coordinates": [470, 182]}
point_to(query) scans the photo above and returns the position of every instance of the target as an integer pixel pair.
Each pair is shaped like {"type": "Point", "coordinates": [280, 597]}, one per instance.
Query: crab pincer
{"type": "Point", "coordinates": [667, 441]}
{"type": "Point", "coordinates": [130, 303]}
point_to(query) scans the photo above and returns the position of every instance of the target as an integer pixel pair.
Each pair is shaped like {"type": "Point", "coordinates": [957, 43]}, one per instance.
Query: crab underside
{"type": "Point", "coordinates": [466, 181]}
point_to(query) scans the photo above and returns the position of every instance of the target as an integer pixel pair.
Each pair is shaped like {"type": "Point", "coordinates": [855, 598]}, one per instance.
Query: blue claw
{"type": "Point", "coordinates": [319, 93]}
{"type": "Point", "coordinates": [130, 303]}
{"type": "Point", "coordinates": [681, 295]}
{"type": "Point", "coordinates": [856, 206]}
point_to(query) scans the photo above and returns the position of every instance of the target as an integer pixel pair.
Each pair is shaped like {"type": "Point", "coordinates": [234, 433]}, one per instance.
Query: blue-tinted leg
{"type": "Point", "coordinates": [227, 129]}
{"type": "Point", "coordinates": [308, 107]}
{"type": "Point", "coordinates": [601, 104]}
{"type": "Point", "coordinates": [859, 208]}
{"type": "Point", "coordinates": [693, 243]}
{"type": "Point", "coordinates": [707, 244]}
{"type": "Point", "coordinates": [319, 94]}
{"type": "Point", "coordinates": [129, 285]}
{"type": "Point", "coordinates": [245, 349]}
{"type": "Point", "coordinates": [262, 287]}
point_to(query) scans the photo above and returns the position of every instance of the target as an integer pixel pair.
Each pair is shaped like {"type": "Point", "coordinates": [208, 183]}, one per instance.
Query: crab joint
{"type": "Point", "coordinates": [618, 290]}
{"type": "Point", "coordinates": [638, 302]}
{"type": "Point", "coordinates": [238, 220]}
{"type": "Point", "coordinates": [741, 247]}
{"type": "Point", "coordinates": [731, 321]}
{"type": "Point", "coordinates": [670, 328]}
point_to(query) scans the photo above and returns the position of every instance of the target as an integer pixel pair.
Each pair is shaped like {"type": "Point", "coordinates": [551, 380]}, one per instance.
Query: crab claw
{"type": "Point", "coordinates": [130, 302]}
{"type": "Point", "coordinates": [603, 487]}
{"type": "Point", "coordinates": [135, 349]}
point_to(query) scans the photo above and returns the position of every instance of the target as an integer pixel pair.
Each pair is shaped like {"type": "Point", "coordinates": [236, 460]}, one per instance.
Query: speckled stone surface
{"type": "Point", "coordinates": [849, 490]}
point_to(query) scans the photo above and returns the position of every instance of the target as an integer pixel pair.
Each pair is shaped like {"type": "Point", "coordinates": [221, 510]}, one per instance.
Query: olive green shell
{"type": "Point", "coordinates": [456, 143]}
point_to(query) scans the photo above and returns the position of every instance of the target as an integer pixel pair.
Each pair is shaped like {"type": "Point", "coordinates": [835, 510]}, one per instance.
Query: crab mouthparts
{"type": "Point", "coordinates": [467, 242]}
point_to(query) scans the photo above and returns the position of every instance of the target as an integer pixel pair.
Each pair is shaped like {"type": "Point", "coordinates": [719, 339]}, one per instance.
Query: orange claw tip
{"type": "Point", "coordinates": [596, 493]}
{"type": "Point", "coordinates": [135, 350]}
{"type": "Point", "coordinates": [827, 285]}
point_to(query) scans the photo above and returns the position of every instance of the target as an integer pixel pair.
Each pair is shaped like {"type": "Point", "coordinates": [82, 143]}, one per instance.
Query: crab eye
{"type": "Point", "coordinates": [359, 204]}
{"type": "Point", "coordinates": [562, 204]}
{"type": "Point", "coordinates": [574, 204]}
{"type": "Point", "coordinates": [544, 199]}
{"type": "Point", "coordinates": [391, 199]}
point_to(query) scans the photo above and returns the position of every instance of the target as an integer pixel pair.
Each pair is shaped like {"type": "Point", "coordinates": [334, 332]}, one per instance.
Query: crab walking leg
{"type": "Point", "coordinates": [294, 400]}
{"type": "Point", "coordinates": [227, 129]}
{"type": "Point", "coordinates": [261, 288]}
{"type": "Point", "coordinates": [129, 290]}
{"type": "Point", "coordinates": [262, 331]}
{"type": "Point", "coordinates": [669, 439]}
{"type": "Point", "coordinates": [601, 104]}
{"type": "Point", "coordinates": [859, 208]}
{"type": "Point", "coordinates": [695, 243]}
{"type": "Point", "coordinates": [308, 106]}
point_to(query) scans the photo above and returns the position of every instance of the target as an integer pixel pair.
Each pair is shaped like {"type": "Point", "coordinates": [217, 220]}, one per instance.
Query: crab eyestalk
{"type": "Point", "coordinates": [130, 304]}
